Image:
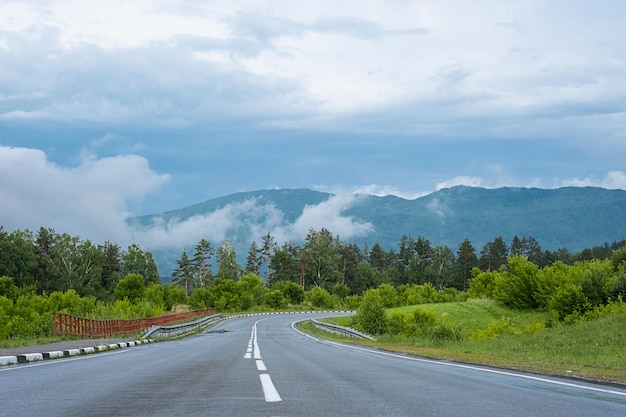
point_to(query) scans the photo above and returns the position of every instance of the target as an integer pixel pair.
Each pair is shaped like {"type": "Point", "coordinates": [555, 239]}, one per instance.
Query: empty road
{"type": "Point", "coordinates": [262, 366]}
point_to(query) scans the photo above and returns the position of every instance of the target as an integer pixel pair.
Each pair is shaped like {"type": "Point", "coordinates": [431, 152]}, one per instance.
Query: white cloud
{"type": "Point", "coordinates": [222, 224]}
{"type": "Point", "coordinates": [329, 215]}
{"type": "Point", "coordinates": [461, 180]}
{"type": "Point", "coordinates": [89, 200]}
{"type": "Point", "coordinates": [613, 180]}
{"type": "Point", "coordinates": [425, 67]}
{"type": "Point", "coordinates": [384, 190]}
{"type": "Point", "coordinates": [249, 220]}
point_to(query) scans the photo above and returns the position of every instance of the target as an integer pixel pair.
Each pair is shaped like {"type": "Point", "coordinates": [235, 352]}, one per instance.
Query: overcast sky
{"type": "Point", "coordinates": [116, 108]}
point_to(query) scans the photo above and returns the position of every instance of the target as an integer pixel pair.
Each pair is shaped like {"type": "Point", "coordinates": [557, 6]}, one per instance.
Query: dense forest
{"type": "Point", "coordinates": [46, 271]}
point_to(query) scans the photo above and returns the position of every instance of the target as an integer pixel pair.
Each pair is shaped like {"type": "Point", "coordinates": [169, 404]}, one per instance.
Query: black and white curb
{"type": "Point", "coordinates": [57, 354]}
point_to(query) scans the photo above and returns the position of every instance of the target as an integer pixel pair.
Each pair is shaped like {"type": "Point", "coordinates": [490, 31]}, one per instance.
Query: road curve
{"type": "Point", "coordinates": [262, 366]}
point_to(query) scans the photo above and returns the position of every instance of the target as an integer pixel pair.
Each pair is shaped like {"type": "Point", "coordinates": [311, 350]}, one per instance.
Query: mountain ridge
{"type": "Point", "coordinates": [568, 217]}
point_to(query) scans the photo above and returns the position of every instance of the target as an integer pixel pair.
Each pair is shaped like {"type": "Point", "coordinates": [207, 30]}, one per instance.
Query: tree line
{"type": "Point", "coordinates": [46, 271]}
{"type": "Point", "coordinates": [324, 260]}
{"type": "Point", "coordinates": [47, 261]}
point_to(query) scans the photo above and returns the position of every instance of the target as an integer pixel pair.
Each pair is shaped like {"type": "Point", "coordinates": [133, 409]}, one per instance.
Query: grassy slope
{"type": "Point", "coordinates": [592, 349]}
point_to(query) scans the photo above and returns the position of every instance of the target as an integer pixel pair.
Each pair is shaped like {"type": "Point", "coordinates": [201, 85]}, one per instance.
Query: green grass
{"type": "Point", "coordinates": [594, 349]}
{"type": "Point", "coordinates": [476, 316]}
{"type": "Point", "coordinates": [19, 342]}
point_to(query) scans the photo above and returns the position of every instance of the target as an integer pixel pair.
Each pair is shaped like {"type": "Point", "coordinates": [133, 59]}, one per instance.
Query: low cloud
{"type": "Point", "coordinates": [462, 180]}
{"type": "Point", "coordinates": [90, 199]}
{"type": "Point", "coordinates": [248, 217]}
{"type": "Point", "coordinates": [249, 220]}
{"type": "Point", "coordinates": [439, 208]}
{"type": "Point", "coordinates": [384, 190]}
{"type": "Point", "coordinates": [329, 215]}
{"type": "Point", "coordinates": [614, 180]}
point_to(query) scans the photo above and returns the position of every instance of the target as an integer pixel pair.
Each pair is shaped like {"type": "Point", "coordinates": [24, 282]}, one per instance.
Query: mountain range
{"type": "Point", "coordinates": [571, 217]}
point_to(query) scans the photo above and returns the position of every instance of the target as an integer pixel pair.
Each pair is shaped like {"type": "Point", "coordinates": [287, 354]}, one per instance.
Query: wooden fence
{"type": "Point", "coordinates": [85, 328]}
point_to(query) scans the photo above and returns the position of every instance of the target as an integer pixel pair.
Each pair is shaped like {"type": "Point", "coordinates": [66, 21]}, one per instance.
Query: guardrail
{"type": "Point", "coordinates": [69, 325]}
{"type": "Point", "coordinates": [345, 331]}
{"type": "Point", "coordinates": [166, 332]}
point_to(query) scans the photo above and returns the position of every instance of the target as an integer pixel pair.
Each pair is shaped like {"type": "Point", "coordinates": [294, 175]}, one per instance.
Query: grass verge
{"type": "Point", "coordinates": [594, 349]}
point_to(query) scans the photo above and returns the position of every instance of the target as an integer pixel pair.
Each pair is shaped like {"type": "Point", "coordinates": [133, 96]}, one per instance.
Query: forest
{"type": "Point", "coordinates": [46, 271]}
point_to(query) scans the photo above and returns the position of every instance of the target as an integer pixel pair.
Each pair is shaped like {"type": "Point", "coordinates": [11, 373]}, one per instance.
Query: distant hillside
{"type": "Point", "coordinates": [574, 218]}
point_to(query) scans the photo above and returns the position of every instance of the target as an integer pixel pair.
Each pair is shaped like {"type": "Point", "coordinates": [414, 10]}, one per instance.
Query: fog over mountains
{"type": "Point", "coordinates": [573, 217]}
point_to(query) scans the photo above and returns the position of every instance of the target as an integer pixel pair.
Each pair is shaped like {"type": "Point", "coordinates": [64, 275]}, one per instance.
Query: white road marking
{"type": "Point", "coordinates": [255, 343]}
{"type": "Point", "coordinates": [269, 390]}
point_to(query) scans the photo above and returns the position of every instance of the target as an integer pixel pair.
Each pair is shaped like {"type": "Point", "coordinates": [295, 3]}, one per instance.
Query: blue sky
{"type": "Point", "coordinates": [110, 109]}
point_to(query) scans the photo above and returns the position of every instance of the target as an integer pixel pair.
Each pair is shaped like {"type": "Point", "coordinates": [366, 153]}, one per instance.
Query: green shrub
{"type": "Point", "coordinates": [319, 297]}
{"type": "Point", "coordinates": [496, 328]}
{"type": "Point", "coordinates": [397, 323]}
{"type": "Point", "coordinates": [131, 287]}
{"type": "Point", "coordinates": [388, 295]}
{"type": "Point", "coordinates": [419, 321]}
{"type": "Point", "coordinates": [275, 299]}
{"type": "Point", "coordinates": [292, 291]}
{"type": "Point", "coordinates": [443, 332]}
{"type": "Point", "coordinates": [371, 315]}
{"type": "Point", "coordinates": [596, 281]}
{"type": "Point", "coordinates": [8, 288]}
{"type": "Point", "coordinates": [482, 283]}
{"type": "Point", "coordinates": [516, 287]}
{"type": "Point", "coordinates": [568, 299]}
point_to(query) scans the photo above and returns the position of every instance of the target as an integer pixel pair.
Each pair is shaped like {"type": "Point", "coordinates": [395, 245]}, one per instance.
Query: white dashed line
{"type": "Point", "coordinates": [269, 390]}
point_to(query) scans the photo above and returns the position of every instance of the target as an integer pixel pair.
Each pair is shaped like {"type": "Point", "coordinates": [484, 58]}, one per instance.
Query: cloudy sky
{"type": "Point", "coordinates": [113, 108]}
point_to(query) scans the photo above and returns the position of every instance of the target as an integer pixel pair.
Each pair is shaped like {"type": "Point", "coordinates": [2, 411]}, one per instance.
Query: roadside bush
{"type": "Point", "coordinates": [549, 279]}
{"type": "Point", "coordinates": [173, 295]}
{"type": "Point", "coordinates": [8, 288]}
{"type": "Point", "coordinates": [155, 295]}
{"type": "Point", "coordinates": [568, 300]}
{"type": "Point", "coordinates": [131, 287]}
{"type": "Point", "coordinates": [397, 323]}
{"type": "Point", "coordinates": [292, 291]}
{"type": "Point", "coordinates": [319, 297]}
{"type": "Point", "coordinates": [275, 299]}
{"type": "Point", "coordinates": [516, 287]}
{"type": "Point", "coordinates": [352, 302]}
{"type": "Point", "coordinates": [371, 315]}
{"type": "Point", "coordinates": [388, 295]}
{"type": "Point", "coordinates": [444, 332]}
{"type": "Point", "coordinates": [618, 286]}
{"type": "Point", "coordinates": [417, 321]}
{"type": "Point", "coordinates": [482, 284]}
{"type": "Point", "coordinates": [596, 281]}
{"type": "Point", "coordinates": [341, 290]}
{"type": "Point", "coordinates": [504, 325]}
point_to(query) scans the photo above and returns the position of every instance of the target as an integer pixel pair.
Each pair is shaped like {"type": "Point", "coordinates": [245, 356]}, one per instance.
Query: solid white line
{"type": "Point", "coordinates": [260, 366]}
{"type": "Point", "coordinates": [257, 351]}
{"type": "Point", "coordinates": [269, 390]}
{"type": "Point", "coordinates": [458, 365]}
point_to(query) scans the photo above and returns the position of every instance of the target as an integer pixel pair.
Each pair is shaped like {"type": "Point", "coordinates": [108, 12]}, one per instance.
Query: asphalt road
{"type": "Point", "coordinates": [261, 366]}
